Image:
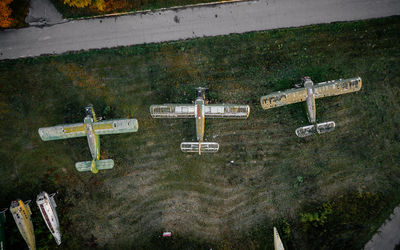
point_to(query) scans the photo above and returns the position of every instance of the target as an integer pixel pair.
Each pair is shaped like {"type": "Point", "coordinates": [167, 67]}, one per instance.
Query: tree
{"type": "Point", "coordinates": [5, 12]}
{"type": "Point", "coordinates": [78, 3]}
{"type": "Point", "coordinates": [99, 4]}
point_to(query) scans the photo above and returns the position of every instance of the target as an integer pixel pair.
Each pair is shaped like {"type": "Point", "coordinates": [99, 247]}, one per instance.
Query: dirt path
{"type": "Point", "coordinates": [185, 23]}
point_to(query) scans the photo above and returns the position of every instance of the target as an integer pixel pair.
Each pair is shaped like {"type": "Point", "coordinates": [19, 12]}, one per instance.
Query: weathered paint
{"type": "Point", "coordinates": [282, 98]}
{"type": "Point", "coordinates": [200, 111]}
{"type": "Point", "coordinates": [22, 215]}
{"type": "Point", "coordinates": [203, 147]}
{"type": "Point", "coordinates": [172, 111]}
{"type": "Point", "coordinates": [199, 108]}
{"type": "Point", "coordinates": [323, 89]}
{"type": "Point", "coordinates": [91, 128]}
{"type": "Point", "coordinates": [309, 92]}
{"type": "Point", "coordinates": [337, 87]}
{"type": "Point", "coordinates": [47, 207]}
{"type": "Point", "coordinates": [311, 111]}
{"type": "Point", "coordinates": [231, 111]}
{"type": "Point", "coordinates": [80, 128]}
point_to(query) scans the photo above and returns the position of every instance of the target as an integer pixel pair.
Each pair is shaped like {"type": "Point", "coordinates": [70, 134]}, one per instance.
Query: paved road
{"type": "Point", "coordinates": [184, 23]}
{"type": "Point", "coordinates": [388, 235]}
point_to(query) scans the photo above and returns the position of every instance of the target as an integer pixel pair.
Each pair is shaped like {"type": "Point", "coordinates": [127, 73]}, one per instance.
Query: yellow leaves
{"type": "Point", "coordinates": [99, 4]}
{"type": "Point", "coordinates": [78, 3]}
{"type": "Point", "coordinates": [5, 12]}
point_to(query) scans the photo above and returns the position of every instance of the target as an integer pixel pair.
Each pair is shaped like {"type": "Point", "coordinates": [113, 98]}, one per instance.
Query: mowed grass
{"type": "Point", "coordinates": [326, 191]}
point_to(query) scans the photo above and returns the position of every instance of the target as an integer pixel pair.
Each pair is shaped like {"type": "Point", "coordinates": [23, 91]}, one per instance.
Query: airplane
{"type": "Point", "coordinates": [91, 128]}
{"type": "Point", "coordinates": [2, 226]}
{"type": "Point", "coordinates": [200, 111]}
{"type": "Point", "coordinates": [278, 245]}
{"type": "Point", "coordinates": [22, 216]}
{"type": "Point", "coordinates": [308, 91]}
{"type": "Point", "coordinates": [47, 207]}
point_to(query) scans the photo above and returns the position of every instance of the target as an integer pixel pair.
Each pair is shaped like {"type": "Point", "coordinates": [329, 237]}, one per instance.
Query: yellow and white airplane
{"type": "Point", "coordinates": [91, 128]}
{"type": "Point", "coordinates": [22, 216]}
{"type": "Point", "coordinates": [200, 111]}
{"type": "Point", "coordinates": [308, 91]}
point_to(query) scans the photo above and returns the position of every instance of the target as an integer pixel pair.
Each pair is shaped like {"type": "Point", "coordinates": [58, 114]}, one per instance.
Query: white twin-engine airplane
{"type": "Point", "coordinates": [308, 92]}
{"type": "Point", "coordinates": [91, 128]}
{"type": "Point", "coordinates": [200, 111]}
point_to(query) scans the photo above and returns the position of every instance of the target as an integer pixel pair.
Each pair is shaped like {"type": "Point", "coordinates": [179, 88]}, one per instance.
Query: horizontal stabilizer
{"type": "Point", "coordinates": [205, 147]}
{"type": "Point", "coordinates": [100, 165]}
{"type": "Point", "coordinates": [305, 131]}
{"type": "Point", "coordinates": [325, 127]}
{"type": "Point", "coordinates": [319, 128]}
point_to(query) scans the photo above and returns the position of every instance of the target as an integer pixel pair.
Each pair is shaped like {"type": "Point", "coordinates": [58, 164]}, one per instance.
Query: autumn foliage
{"type": "Point", "coordinates": [99, 4]}
{"type": "Point", "coordinates": [5, 12]}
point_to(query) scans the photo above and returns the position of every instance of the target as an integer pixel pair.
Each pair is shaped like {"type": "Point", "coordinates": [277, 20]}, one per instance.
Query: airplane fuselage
{"type": "Point", "coordinates": [310, 101]}
{"type": "Point", "coordinates": [22, 216]}
{"type": "Point", "coordinates": [200, 118]}
{"type": "Point", "coordinates": [47, 207]}
{"type": "Point", "coordinates": [93, 139]}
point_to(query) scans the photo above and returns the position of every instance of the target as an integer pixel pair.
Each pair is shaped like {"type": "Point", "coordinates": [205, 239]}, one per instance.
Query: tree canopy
{"type": "Point", "coordinates": [5, 12]}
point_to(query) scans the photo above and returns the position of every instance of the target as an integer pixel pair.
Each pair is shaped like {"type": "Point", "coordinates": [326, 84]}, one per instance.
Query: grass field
{"type": "Point", "coordinates": [323, 192]}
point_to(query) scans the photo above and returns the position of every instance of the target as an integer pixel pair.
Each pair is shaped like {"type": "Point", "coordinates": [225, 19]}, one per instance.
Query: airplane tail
{"type": "Point", "coordinates": [199, 147]}
{"type": "Point", "coordinates": [319, 128]}
{"type": "Point", "coordinates": [94, 165]}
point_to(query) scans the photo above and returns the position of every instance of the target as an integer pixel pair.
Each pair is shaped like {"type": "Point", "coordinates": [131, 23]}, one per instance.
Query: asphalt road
{"type": "Point", "coordinates": [388, 235]}
{"type": "Point", "coordinates": [184, 23]}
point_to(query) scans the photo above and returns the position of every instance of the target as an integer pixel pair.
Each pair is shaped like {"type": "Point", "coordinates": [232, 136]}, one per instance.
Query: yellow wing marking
{"type": "Point", "coordinates": [24, 208]}
{"type": "Point", "coordinates": [74, 129]}
{"type": "Point", "coordinates": [101, 126]}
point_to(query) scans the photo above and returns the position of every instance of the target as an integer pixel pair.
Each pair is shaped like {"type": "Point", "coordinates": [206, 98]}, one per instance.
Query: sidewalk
{"type": "Point", "coordinates": [186, 23]}
{"type": "Point", "coordinates": [388, 235]}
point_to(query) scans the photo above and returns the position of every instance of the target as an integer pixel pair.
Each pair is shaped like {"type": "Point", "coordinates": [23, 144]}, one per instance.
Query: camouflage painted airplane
{"type": "Point", "coordinates": [2, 225]}
{"type": "Point", "coordinates": [91, 128]}
{"type": "Point", "coordinates": [308, 91]}
{"type": "Point", "coordinates": [200, 111]}
{"type": "Point", "coordinates": [22, 216]}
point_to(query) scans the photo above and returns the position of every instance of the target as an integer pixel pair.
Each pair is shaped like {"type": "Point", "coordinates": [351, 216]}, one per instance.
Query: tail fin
{"type": "Point", "coordinates": [319, 128]}
{"type": "Point", "coordinates": [94, 165]}
{"type": "Point", "coordinates": [199, 147]}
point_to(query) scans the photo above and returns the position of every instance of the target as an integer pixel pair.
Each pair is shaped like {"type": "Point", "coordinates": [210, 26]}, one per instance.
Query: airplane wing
{"type": "Point", "coordinates": [172, 111]}
{"type": "Point", "coordinates": [282, 98]}
{"type": "Point", "coordinates": [116, 126]}
{"type": "Point", "coordinates": [62, 132]}
{"type": "Point", "coordinates": [337, 87]}
{"type": "Point", "coordinates": [226, 111]}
